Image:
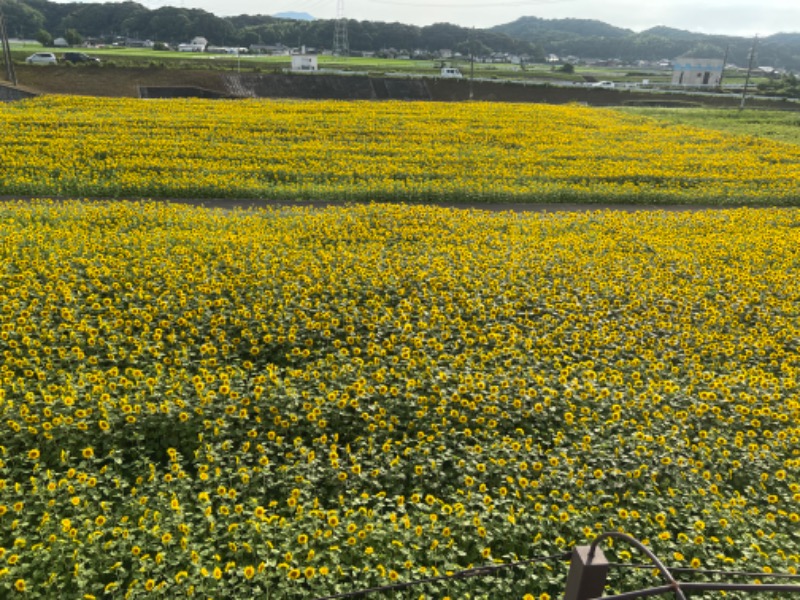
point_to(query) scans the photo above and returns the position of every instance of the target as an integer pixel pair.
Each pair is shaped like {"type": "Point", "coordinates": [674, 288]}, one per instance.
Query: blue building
{"type": "Point", "coordinates": [697, 72]}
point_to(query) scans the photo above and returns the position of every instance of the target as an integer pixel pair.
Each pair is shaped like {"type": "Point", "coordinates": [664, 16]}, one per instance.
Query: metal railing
{"type": "Point", "coordinates": [588, 576]}
{"type": "Point", "coordinates": [589, 570]}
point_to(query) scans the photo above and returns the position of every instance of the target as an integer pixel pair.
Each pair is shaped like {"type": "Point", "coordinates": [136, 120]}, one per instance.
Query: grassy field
{"type": "Point", "coordinates": [145, 57]}
{"type": "Point", "coordinates": [135, 57]}
{"type": "Point", "coordinates": [782, 126]}
{"type": "Point", "coordinates": [384, 151]}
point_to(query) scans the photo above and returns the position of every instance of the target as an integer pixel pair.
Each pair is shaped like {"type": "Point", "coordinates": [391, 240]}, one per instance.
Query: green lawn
{"type": "Point", "coordinates": [780, 125]}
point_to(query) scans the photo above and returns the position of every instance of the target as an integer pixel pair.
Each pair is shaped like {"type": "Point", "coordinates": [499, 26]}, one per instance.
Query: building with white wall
{"type": "Point", "coordinates": [697, 72]}
{"type": "Point", "coordinates": [303, 62]}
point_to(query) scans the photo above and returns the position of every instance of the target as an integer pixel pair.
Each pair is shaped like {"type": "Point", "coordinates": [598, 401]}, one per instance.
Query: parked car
{"type": "Point", "coordinates": [451, 73]}
{"type": "Point", "coordinates": [79, 57]}
{"type": "Point", "coordinates": [41, 58]}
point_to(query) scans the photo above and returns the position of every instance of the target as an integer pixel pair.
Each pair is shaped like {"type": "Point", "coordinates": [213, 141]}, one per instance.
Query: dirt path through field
{"type": "Point", "coordinates": [234, 203]}
{"type": "Point", "coordinates": [501, 207]}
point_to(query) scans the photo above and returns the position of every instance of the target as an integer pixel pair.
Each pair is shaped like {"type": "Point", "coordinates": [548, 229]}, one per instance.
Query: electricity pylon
{"type": "Point", "coordinates": [341, 47]}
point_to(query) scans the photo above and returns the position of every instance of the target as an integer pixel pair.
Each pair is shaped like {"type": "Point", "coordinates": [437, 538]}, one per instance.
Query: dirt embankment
{"type": "Point", "coordinates": [111, 81]}
{"type": "Point", "coordinates": [161, 82]}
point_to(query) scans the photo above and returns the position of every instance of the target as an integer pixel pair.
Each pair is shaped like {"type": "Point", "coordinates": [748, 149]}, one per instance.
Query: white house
{"type": "Point", "coordinates": [198, 44]}
{"type": "Point", "coordinates": [303, 62]}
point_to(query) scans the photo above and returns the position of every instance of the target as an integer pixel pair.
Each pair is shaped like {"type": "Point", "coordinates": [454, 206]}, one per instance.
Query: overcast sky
{"type": "Point", "coordinates": [702, 16]}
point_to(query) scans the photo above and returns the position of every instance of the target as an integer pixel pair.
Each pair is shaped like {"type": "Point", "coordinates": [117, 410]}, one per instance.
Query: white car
{"type": "Point", "coordinates": [604, 84]}
{"type": "Point", "coordinates": [42, 58]}
{"type": "Point", "coordinates": [451, 73]}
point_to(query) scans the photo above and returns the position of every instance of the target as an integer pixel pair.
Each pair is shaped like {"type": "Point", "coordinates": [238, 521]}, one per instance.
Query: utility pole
{"type": "Point", "coordinates": [724, 62]}
{"type": "Point", "coordinates": [471, 62]}
{"type": "Point", "coordinates": [6, 48]}
{"type": "Point", "coordinates": [749, 71]}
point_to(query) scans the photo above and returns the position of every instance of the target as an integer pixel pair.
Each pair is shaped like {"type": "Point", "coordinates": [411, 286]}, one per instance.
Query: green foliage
{"type": "Point", "coordinates": [787, 86]}
{"type": "Point", "coordinates": [73, 37]}
{"type": "Point", "coordinates": [595, 38]}
{"type": "Point", "coordinates": [21, 19]}
{"type": "Point", "coordinates": [778, 125]}
{"type": "Point", "coordinates": [527, 36]}
{"type": "Point", "coordinates": [293, 403]}
{"type": "Point", "coordinates": [44, 38]}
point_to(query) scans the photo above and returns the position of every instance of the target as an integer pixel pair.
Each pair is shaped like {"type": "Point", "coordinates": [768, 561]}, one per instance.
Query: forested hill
{"type": "Point", "coordinates": [531, 36]}
{"type": "Point", "coordinates": [172, 25]}
{"type": "Point", "coordinates": [588, 38]}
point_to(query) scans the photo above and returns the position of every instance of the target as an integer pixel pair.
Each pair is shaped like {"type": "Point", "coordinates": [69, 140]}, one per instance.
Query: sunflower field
{"type": "Point", "coordinates": [77, 147]}
{"type": "Point", "coordinates": [296, 402]}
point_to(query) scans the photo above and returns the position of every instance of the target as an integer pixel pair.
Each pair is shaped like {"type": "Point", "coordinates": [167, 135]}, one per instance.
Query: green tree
{"type": "Point", "coordinates": [44, 37]}
{"type": "Point", "coordinates": [217, 31]}
{"type": "Point", "coordinates": [73, 37]}
{"type": "Point", "coordinates": [249, 38]}
{"type": "Point", "coordinates": [473, 48]}
{"type": "Point", "coordinates": [706, 50]}
{"type": "Point", "coordinates": [101, 20]}
{"type": "Point", "coordinates": [21, 19]}
{"type": "Point", "coordinates": [443, 36]}
{"type": "Point", "coordinates": [167, 24]}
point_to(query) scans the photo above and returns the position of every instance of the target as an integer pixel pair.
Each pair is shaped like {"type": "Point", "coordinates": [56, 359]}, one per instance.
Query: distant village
{"type": "Point", "coordinates": [686, 71]}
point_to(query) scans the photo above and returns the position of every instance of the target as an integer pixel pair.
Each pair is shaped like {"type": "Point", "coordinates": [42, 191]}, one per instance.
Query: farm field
{"type": "Point", "coordinates": [782, 126]}
{"type": "Point", "coordinates": [133, 57]}
{"type": "Point", "coordinates": [120, 57]}
{"type": "Point", "coordinates": [60, 146]}
{"type": "Point", "coordinates": [297, 402]}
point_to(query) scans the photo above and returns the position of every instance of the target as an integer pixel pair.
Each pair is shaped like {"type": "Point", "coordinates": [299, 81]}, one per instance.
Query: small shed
{"type": "Point", "coordinates": [697, 72]}
{"type": "Point", "coordinates": [303, 62]}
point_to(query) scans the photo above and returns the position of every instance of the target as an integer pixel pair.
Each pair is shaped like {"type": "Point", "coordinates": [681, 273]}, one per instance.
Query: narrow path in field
{"type": "Point", "coordinates": [494, 207]}
{"type": "Point", "coordinates": [234, 203]}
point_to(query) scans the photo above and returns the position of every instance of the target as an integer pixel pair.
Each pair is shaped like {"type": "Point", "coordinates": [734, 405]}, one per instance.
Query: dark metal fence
{"type": "Point", "coordinates": [589, 570]}
{"type": "Point", "coordinates": [588, 576]}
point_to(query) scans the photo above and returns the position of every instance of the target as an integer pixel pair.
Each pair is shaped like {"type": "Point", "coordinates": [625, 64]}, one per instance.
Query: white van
{"type": "Point", "coordinates": [451, 73]}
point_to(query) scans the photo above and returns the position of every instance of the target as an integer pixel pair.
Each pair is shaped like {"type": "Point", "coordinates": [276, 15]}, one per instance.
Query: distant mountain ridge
{"type": "Point", "coordinates": [527, 26]}
{"type": "Point", "coordinates": [587, 38]}
{"type": "Point", "coordinates": [532, 38]}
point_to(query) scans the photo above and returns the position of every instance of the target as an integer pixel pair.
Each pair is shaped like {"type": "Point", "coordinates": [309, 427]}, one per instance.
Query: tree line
{"type": "Point", "coordinates": [590, 38]}
{"type": "Point", "coordinates": [43, 20]}
{"type": "Point", "coordinates": [530, 37]}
